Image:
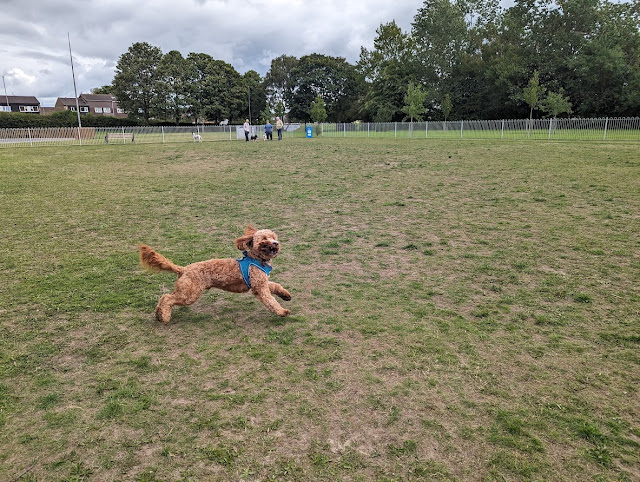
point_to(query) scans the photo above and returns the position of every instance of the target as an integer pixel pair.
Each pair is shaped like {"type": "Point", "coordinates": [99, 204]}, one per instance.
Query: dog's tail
{"type": "Point", "coordinates": [154, 261]}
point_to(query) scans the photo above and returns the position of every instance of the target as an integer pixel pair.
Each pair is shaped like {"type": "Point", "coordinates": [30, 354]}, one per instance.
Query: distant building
{"type": "Point", "coordinates": [102, 104]}
{"type": "Point", "coordinates": [19, 103]}
{"type": "Point", "coordinates": [96, 104]}
{"type": "Point", "coordinates": [69, 103]}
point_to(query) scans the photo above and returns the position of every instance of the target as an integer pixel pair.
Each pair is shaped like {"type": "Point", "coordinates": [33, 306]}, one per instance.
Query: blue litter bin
{"type": "Point", "coordinates": [309, 132]}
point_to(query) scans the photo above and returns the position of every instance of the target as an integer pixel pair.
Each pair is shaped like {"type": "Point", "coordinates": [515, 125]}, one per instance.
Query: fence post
{"type": "Point", "coordinates": [162, 127]}
{"type": "Point", "coordinates": [426, 129]}
{"type": "Point", "coordinates": [502, 131]}
{"type": "Point", "coordinates": [550, 122]}
{"type": "Point", "coordinates": [461, 126]}
{"type": "Point", "coordinates": [344, 128]}
{"type": "Point", "coordinates": [29, 132]}
{"type": "Point", "coordinates": [123, 139]}
{"type": "Point", "coordinates": [606, 123]}
{"type": "Point", "coordinates": [395, 130]}
{"type": "Point", "coordinates": [368, 124]}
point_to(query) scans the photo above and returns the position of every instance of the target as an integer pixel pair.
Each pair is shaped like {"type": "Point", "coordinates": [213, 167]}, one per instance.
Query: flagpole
{"type": "Point", "coordinates": [75, 90]}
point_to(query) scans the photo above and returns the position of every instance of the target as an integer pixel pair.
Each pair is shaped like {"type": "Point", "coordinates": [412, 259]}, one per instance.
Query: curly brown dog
{"type": "Point", "coordinates": [236, 275]}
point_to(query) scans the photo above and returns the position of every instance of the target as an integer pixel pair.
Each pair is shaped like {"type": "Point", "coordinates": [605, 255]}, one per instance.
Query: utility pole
{"type": "Point", "coordinates": [74, 87]}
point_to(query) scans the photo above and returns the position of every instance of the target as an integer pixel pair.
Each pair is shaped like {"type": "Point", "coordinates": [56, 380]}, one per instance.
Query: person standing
{"type": "Point", "coordinates": [247, 130]}
{"type": "Point", "coordinates": [279, 127]}
{"type": "Point", "coordinates": [268, 130]}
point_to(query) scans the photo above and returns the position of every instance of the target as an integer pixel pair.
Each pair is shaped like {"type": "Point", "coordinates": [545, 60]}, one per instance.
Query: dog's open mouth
{"type": "Point", "coordinates": [271, 249]}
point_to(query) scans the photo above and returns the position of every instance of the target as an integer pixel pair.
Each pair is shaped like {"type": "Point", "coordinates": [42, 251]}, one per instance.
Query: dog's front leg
{"type": "Point", "coordinates": [278, 290]}
{"type": "Point", "coordinates": [261, 288]}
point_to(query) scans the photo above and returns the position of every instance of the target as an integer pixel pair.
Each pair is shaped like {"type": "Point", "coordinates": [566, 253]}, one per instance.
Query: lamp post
{"type": "Point", "coordinates": [5, 92]}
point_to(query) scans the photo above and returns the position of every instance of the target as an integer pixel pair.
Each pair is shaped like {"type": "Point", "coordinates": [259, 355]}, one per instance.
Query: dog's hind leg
{"type": "Point", "coordinates": [186, 293]}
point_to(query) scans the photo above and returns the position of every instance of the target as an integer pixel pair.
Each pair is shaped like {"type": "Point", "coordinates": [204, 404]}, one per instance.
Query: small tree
{"type": "Point", "coordinates": [318, 111]}
{"type": "Point", "coordinates": [414, 102]}
{"type": "Point", "coordinates": [556, 103]}
{"type": "Point", "coordinates": [533, 93]}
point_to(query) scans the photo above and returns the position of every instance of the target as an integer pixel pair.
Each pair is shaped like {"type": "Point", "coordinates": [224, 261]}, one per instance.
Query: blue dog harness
{"type": "Point", "coordinates": [247, 261]}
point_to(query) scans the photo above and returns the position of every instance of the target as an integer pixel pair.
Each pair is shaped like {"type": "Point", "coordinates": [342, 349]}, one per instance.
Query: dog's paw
{"type": "Point", "coordinates": [285, 295]}
{"type": "Point", "coordinates": [162, 315]}
{"type": "Point", "coordinates": [285, 313]}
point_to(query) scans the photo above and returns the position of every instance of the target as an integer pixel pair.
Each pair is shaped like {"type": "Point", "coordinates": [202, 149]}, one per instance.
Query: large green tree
{"type": "Point", "coordinates": [387, 69]}
{"type": "Point", "coordinates": [277, 83]}
{"type": "Point", "coordinates": [256, 92]}
{"type": "Point", "coordinates": [217, 91]}
{"type": "Point", "coordinates": [440, 33]}
{"type": "Point", "coordinates": [172, 86]}
{"type": "Point", "coordinates": [333, 78]}
{"type": "Point", "coordinates": [135, 84]}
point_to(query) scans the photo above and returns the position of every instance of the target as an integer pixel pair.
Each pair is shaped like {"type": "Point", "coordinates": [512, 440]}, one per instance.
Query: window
{"type": "Point", "coordinates": [97, 110]}
{"type": "Point", "coordinates": [106, 110]}
{"type": "Point", "coordinates": [29, 108]}
{"type": "Point", "coordinates": [120, 111]}
{"type": "Point", "coordinates": [5, 108]}
{"type": "Point", "coordinates": [84, 109]}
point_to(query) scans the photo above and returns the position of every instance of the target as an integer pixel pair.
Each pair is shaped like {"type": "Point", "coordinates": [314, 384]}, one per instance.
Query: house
{"type": "Point", "coordinates": [96, 104]}
{"type": "Point", "coordinates": [19, 103]}
{"type": "Point", "coordinates": [102, 104]}
{"type": "Point", "coordinates": [69, 103]}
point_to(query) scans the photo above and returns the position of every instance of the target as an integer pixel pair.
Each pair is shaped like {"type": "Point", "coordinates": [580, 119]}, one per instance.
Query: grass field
{"type": "Point", "coordinates": [462, 310]}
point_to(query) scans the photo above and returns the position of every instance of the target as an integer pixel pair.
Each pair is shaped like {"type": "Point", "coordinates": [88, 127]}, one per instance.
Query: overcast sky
{"type": "Point", "coordinates": [248, 34]}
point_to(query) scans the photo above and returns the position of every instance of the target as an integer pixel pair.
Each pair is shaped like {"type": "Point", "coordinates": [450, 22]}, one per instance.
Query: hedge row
{"type": "Point", "coordinates": [60, 119]}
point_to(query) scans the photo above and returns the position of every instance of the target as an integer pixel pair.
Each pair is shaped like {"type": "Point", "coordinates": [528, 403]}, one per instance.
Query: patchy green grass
{"type": "Point", "coordinates": [461, 311]}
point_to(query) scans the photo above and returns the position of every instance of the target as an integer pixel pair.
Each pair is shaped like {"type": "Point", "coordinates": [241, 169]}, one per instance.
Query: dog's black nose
{"type": "Point", "coordinates": [275, 243]}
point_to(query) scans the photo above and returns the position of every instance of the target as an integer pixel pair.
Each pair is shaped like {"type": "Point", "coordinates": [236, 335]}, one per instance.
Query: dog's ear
{"type": "Point", "coordinates": [245, 241]}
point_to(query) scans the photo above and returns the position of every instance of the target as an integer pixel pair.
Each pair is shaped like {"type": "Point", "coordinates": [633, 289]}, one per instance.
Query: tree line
{"type": "Point", "coordinates": [461, 59]}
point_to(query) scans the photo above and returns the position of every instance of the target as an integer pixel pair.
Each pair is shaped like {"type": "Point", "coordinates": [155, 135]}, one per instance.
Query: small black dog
{"type": "Point", "coordinates": [254, 137]}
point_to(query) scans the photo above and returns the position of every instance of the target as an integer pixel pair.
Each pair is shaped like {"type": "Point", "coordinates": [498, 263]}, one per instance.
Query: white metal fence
{"type": "Point", "coordinates": [543, 129]}
{"type": "Point", "coordinates": [597, 129]}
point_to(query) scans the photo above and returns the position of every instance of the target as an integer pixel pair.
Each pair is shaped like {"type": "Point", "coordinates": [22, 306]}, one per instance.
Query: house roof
{"type": "Point", "coordinates": [19, 99]}
{"type": "Point", "coordinates": [71, 101]}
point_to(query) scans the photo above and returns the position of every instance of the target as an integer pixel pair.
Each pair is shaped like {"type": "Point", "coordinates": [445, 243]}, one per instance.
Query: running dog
{"type": "Point", "coordinates": [251, 272]}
